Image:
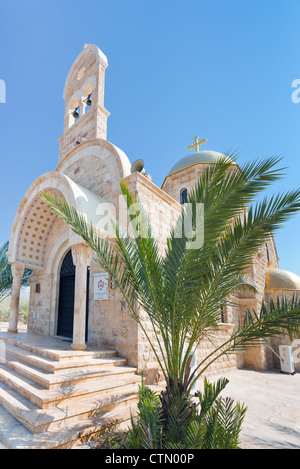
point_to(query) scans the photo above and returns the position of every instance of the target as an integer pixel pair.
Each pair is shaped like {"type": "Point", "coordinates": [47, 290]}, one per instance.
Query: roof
{"type": "Point", "coordinates": [204, 156]}
{"type": "Point", "coordinates": [279, 279]}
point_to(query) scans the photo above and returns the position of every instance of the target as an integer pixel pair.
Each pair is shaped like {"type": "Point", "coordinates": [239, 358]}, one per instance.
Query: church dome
{"type": "Point", "coordinates": [278, 279]}
{"type": "Point", "coordinates": [204, 156]}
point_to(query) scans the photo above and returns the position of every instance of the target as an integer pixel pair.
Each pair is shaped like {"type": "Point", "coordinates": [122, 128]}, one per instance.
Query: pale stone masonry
{"type": "Point", "coordinates": [89, 173]}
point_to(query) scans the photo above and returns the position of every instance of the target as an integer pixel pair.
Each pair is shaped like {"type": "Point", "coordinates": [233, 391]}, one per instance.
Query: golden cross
{"type": "Point", "coordinates": [197, 143]}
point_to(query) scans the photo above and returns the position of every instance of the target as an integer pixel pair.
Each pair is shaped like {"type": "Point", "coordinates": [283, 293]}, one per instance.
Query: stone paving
{"type": "Point", "coordinates": [272, 420]}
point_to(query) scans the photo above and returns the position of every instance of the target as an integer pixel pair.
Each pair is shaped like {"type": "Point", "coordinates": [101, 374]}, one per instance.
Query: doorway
{"type": "Point", "coordinates": [67, 298]}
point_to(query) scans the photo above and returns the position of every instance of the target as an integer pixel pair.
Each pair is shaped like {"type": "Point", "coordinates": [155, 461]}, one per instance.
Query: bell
{"type": "Point", "coordinates": [89, 100]}
{"type": "Point", "coordinates": [75, 113]}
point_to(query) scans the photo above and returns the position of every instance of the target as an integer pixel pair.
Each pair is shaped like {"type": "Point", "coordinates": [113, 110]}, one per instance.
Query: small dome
{"type": "Point", "coordinates": [204, 156]}
{"type": "Point", "coordinates": [278, 279]}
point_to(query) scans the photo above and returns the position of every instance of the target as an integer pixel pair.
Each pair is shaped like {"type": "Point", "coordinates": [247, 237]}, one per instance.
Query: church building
{"type": "Point", "coordinates": [70, 297]}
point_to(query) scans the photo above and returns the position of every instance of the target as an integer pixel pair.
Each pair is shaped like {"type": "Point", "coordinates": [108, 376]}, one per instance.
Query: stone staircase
{"type": "Point", "coordinates": [53, 397]}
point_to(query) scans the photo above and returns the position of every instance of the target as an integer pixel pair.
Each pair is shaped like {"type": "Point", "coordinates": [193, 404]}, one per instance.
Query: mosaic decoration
{"type": "Point", "coordinates": [34, 234]}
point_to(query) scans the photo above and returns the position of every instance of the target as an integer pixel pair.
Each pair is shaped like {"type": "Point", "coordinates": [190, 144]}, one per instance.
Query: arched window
{"type": "Point", "coordinates": [183, 196]}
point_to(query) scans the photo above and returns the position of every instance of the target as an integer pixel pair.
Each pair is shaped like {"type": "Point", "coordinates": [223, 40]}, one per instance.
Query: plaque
{"type": "Point", "coordinates": [101, 286]}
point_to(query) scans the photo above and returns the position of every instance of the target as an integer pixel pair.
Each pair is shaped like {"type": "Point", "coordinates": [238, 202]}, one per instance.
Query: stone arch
{"type": "Point", "coordinates": [34, 220]}
{"type": "Point", "coordinates": [91, 54]}
{"type": "Point", "coordinates": [115, 160]}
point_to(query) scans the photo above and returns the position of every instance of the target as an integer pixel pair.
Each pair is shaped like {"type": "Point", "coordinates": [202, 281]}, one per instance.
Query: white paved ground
{"type": "Point", "coordinates": [273, 416]}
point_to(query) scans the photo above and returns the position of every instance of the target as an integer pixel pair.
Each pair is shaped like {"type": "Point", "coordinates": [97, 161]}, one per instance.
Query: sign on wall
{"type": "Point", "coordinates": [101, 286]}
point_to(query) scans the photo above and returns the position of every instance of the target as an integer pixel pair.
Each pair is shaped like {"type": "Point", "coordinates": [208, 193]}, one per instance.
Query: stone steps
{"type": "Point", "coordinates": [38, 420]}
{"type": "Point", "coordinates": [45, 398]}
{"type": "Point", "coordinates": [50, 347]}
{"type": "Point", "coordinates": [52, 395]}
{"type": "Point", "coordinates": [67, 376]}
{"type": "Point", "coordinates": [71, 435]}
{"type": "Point", "coordinates": [51, 365]}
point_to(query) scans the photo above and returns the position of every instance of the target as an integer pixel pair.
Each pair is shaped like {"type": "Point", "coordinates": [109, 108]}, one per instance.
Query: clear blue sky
{"type": "Point", "coordinates": [220, 69]}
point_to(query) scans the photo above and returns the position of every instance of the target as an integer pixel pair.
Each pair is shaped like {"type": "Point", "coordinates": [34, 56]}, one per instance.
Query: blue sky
{"type": "Point", "coordinates": [220, 69]}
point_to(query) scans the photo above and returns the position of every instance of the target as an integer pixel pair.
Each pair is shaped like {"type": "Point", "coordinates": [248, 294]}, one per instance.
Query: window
{"type": "Point", "coordinates": [183, 196]}
{"type": "Point", "coordinates": [222, 314]}
{"type": "Point", "coordinates": [268, 254]}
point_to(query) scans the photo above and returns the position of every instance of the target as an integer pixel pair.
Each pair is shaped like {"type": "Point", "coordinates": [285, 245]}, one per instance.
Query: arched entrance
{"type": "Point", "coordinates": [67, 297]}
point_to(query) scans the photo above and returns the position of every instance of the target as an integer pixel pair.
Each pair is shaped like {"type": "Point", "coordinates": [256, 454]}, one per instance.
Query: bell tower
{"type": "Point", "coordinates": [85, 116]}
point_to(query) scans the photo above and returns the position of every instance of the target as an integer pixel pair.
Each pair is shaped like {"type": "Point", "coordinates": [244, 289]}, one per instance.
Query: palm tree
{"type": "Point", "coordinates": [183, 291]}
{"type": "Point", "coordinates": [6, 278]}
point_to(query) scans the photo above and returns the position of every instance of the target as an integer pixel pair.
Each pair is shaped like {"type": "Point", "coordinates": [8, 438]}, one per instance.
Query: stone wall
{"type": "Point", "coordinates": [163, 211]}
{"type": "Point", "coordinates": [110, 323]}
{"type": "Point", "coordinates": [258, 355]}
{"type": "Point", "coordinates": [39, 303]}
{"type": "Point", "coordinates": [84, 129]}
{"type": "Point", "coordinates": [149, 365]}
{"type": "Point", "coordinates": [186, 178]}
{"type": "Point", "coordinates": [207, 347]}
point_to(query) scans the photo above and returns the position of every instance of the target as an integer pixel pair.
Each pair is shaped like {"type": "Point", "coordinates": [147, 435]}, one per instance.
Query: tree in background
{"type": "Point", "coordinates": [6, 278]}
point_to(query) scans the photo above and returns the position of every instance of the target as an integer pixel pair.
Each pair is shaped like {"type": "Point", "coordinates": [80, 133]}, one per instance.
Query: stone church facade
{"type": "Point", "coordinates": [63, 300]}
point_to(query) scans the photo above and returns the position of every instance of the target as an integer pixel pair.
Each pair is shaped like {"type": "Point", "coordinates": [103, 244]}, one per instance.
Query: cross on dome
{"type": "Point", "coordinates": [197, 143]}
